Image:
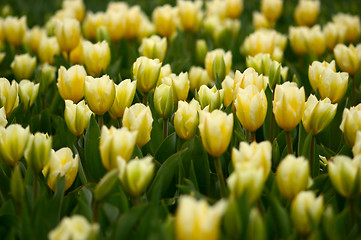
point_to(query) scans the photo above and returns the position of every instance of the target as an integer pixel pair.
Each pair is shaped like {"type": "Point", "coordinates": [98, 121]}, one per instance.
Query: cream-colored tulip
{"type": "Point", "coordinates": [247, 78]}
{"type": "Point", "coordinates": [165, 20]}
{"type": "Point", "coordinates": [68, 33]}
{"type": "Point", "coordinates": [179, 84]}
{"type": "Point", "coordinates": [356, 149]}
{"type": "Point", "coordinates": [96, 56]}
{"type": "Point", "coordinates": [347, 58]}
{"type": "Point", "coordinates": [37, 152]}
{"type": "Point", "coordinates": [316, 41]}
{"type": "Point", "coordinates": [334, 33]}
{"type": "Point", "coordinates": [272, 9]}
{"type": "Point", "coordinates": [48, 48]}
{"type": "Point", "coordinates": [3, 120]}
{"type": "Point", "coordinates": [14, 29]}
{"type": "Point", "coordinates": [190, 14]}
{"type": "Point", "coordinates": [210, 97]}
{"type": "Point", "coordinates": [227, 86]}
{"type": "Point", "coordinates": [23, 66]}
{"type": "Point", "coordinates": [77, 116]}
{"type": "Point", "coordinates": [28, 92]}
{"type": "Point", "coordinates": [75, 6]}
{"type": "Point", "coordinates": [139, 118]}
{"type": "Point", "coordinates": [352, 24]}
{"type": "Point", "coordinates": [210, 57]}
{"type": "Point", "coordinates": [163, 100]}
{"type": "Point", "coordinates": [306, 12]}
{"type": "Point", "coordinates": [351, 123]}
{"type": "Point", "coordinates": [197, 77]}
{"type": "Point", "coordinates": [333, 85]}
{"type": "Point", "coordinates": [298, 39]}
{"type": "Point", "coordinates": [316, 70]}
{"type": "Point", "coordinates": [146, 71]}
{"type": "Point", "coordinates": [91, 24]}
{"type": "Point", "coordinates": [71, 82]}
{"type": "Point", "coordinates": [153, 47]}
{"type": "Point", "coordinates": [124, 95]}
{"type": "Point", "coordinates": [186, 119]}
{"type": "Point", "coordinates": [114, 21]}
{"type": "Point", "coordinates": [9, 98]}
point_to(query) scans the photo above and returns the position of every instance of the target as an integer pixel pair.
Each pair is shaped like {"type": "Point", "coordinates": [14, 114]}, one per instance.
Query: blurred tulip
{"type": "Point", "coordinates": [153, 47]}
{"type": "Point", "coordinates": [91, 23]}
{"type": "Point", "coordinates": [333, 85]}
{"type": "Point", "coordinates": [71, 82]}
{"type": "Point", "coordinates": [76, 6]}
{"type": "Point", "coordinates": [165, 20]}
{"type": "Point", "coordinates": [227, 87]}
{"type": "Point", "coordinates": [48, 48]}
{"type": "Point", "coordinates": [133, 21]}
{"type": "Point", "coordinates": [96, 56]}
{"type": "Point", "coordinates": [334, 33]}
{"type": "Point", "coordinates": [351, 123]}
{"type": "Point", "coordinates": [316, 70]}
{"type": "Point", "coordinates": [298, 40]}
{"type": "Point", "coordinates": [198, 77]}
{"type": "Point", "coordinates": [347, 58]}
{"type": "Point", "coordinates": [23, 66]}
{"type": "Point", "coordinates": [190, 14]}
{"type": "Point", "coordinates": [352, 24]}
{"type": "Point", "coordinates": [68, 33]}
{"type": "Point", "coordinates": [124, 95]}
{"type": "Point", "coordinates": [3, 120]}
{"type": "Point", "coordinates": [260, 21]}
{"type": "Point", "coordinates": [186, 119]}
{"type": "Point", "coordinates": [14, 29]}
{"type": "Point", "coordinates": [77, 116]}
{"type": "Point", "coordinates": [234, 8]}
{"type": "Point", "coordinates": [306, 12]}
{"type": "Point", "coordinates": [272, 9]}
{"type": "Point", "coordinates": [9, 98]}
{"type": "Point", "coordinates": [114, 21]}
{"type": "Point", "coordinates": [28, 92]}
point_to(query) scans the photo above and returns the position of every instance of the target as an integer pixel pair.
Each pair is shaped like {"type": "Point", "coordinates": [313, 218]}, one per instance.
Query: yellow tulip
{"type": "Point", "coordinates": [163, 100]}
{"type": "Point", "coordinates": [216, 130]}
{"type": "Point", "coordinates": [76, 55]}
{"type": "Point", "coordinates": [23, 66]}
{"type": "Point", "coordinates": [190, 14]}
{"type": "Point", "coordinates": [28, 92]}
{"type": "Point", "coordinates": [179, 84]}
{"type": "Point", "coordinates": [260, 21]}
{"type": "Point", "coordinates": [351, 123]}
{"type": "Point", "coordinates": [210, 57]}
{"type": "Point", "coordinates": [146, 71]}
{"type": "Point", "coordinates": [316, 70]}
{"type": "Point", "coordinates": [124, 95]}
{"type": "Point", "coordinates": [234, 8]}
{"type": "Point", "coordinates": [351, 23]}
{"type": "Point", "coordinates": [75, 6]}
{"type": "Point", "coordinates": [3, 120]}
{"type": "Point", "coordinates": [333, 85]}
{"type": "Point", "coordinates": [210, 97]}
{"type": "Point", "coordinates": [164, 18]}
{"type": "Point", "coordinates": [316, 41]}
{"type": "Point", "coordinates": [347, 58]}
{"type": "Point", "coordinates": [67, 32]}
{"type": "Point", "coordinates": [96, 56]}
{"type": "Point", "coordinates": [197, 77]}
{"type": "Point", "coordinates": [227, 86]}
{"type": "Point", "coordinates": [91, 23]}
{"type": "Point", "coordinates": [334, 33]}
{"type": "Point", "coordinates": [9, 95]}
{"type": "Point", "coordinates": [114, 21]}
{"type": "Point", "coordinates": [186, 119]}
{"type": "Point", "coordinates": [298, 40]}
{"type": "Point", "coordinates": [71, 82]}
{"type": "Point", "coordinates": [133, 21]}
{"type": "Point", "coordinates": [153, 47]}
{"type": "Point", "coordinates": [272, 9]}
{"type": "Point", "coordinates": [14, 29]}
{"type": "Point", "coordinates": [99, 93]}
{"type": "Point", "coordinates": [306, 12]}
{"type": "Point", "coordinates": [48, 48]}
{"type": "Point", "coordinates": [32, 38]}
{"type": "Point", "coordinates": [77, 116]}
{"type": "Point", "coordinates": [356, 149]}
{"type": "Point", "coordinates": [37, 152]}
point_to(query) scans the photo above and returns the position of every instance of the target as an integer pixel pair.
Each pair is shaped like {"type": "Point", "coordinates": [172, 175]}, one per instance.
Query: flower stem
{"type": "Point", "coordinates": [100, 121]}
{"type": "Point", "coordinates": [35, 187]}
{"type": "Point", "coordinates": [271, 127]}
{"type": "Point", "coordinates": [165, 128]}
{"type": "Point", "coordinates": [145, 99]}
{"type": "Point", "coordinates": [313, 174]}
{"type": "Point", "coordinates": [253, 137]}
{"type": "Point", "coordinates": [136, 201]}
{"type": "Point", "coordinates": [289, 142]}
{"type": "Point", "coordinates": [219, 171]}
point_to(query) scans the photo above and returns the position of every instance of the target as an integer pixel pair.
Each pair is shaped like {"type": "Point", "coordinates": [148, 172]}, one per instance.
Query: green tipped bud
{"type": "Point", "coordinates": [210, 97]}
{"type": "Point", "coordinates": [219, 68]}
{"type": "Point", "coordinates": [261, 63]}
{"type": "Point", "coordinates": [105, 185]}
{"type": "Point", "coordinates": [201, 50]}
{"type": "Point", "coordinates": [103, 34]}
{"type": "Point", "coordinates": [274, 74]}
{"type": "Point", "coordinates": [163, 100]}
{"type": "Point", "coordinates": [46, 77]}
{"type": "Point", "coordinates": [37, 152]}
{"type": "Point", "coordinates": [256, 227]}
{"type": "Point", "coordinates": [17, 184]}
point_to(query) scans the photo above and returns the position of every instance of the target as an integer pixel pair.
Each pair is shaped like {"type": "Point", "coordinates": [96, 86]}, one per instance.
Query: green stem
{"type": "Point", "coordinates": [136, 201]}
{"type": "Point", "coordinates": [100, 121]}
{"type": "Point", "coordinates": [165, 128]}
{"type": "Point", "coordinates": [35, 187]}
{"type": "Point", "coordinates": [219, 171]}
{"type": "Point", "coordinates": [313, 174]}
{"type": "Point", "coordinates": [352, 211]}
{"type": "Point", "coordinates": [95, 211]}
{"type": "Point", "coordinates": [253, 137]}
{"type": "Point", "coordinates": [145, 99]}
{"type": "Point", "coordinates": [82, 175]}
{"type": "Point", "coordinates": [289, 142]}
{"type": "Point", "coordinates": [119, 121]}
{"type": "Point", "coordinates": [271, 127]}
{"type": "Point", "coordinates": [353, 96]}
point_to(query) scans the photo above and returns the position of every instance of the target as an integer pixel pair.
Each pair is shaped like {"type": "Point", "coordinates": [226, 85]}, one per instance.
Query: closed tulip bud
{"type": "Point", "coordinates": [333, 85]}
{"type": "Point", "coordinates": [259, 21]}
{"type": "Point", "coordinates": [3, 120]}
{"type": "Point", "coordinates": [257, 154]}
{"type": "Point", "coordinates": [106, 184]}
{"type": "Point", "coordinates": [77, 116]}
{"type": "Point", "coordinates": [61, 163]}
{"type": "Point", "coordinates": [14, 29]}
{"type": "Point", "coordinates": [318, 114]}
{"type": "Point", "coordinates": [28, 92]}
{"type": "Point", "coordinates": [272, 9]}
{"type": "Point", "coordinates": [316, 70]}
{"type": "Point", "coordinates": [96, 56]}
{"type": "Point", "coordinates": [114, 22]}
{"type": "Point", "coordinates": [234, 8]}
{"type": "Point", "coordinates": [23, 66]}
{"type": "Point", "coordinates": [163, 100]}
{"type": "Point", "coordinates": [165, 71]}
{"type": "Point", "coordinates": [9, 98]}
{"type": "Point", "coordinates": [116, 143]}
{"type": "Point", "coordinates": [136, 175]}
{"type": "Point", "coordinates": [351, 123]}
{"type": "Point", "coordinates": [227, 86]}
{"type": "Point", "coordinates": [71, 82]}
{"type": "Point", "coordinates": [13, 141]}
{"type": "Point", "coordinates": [334, 33]}
{"type": "Point", "coordinates": [37, 152]}
{"type": "Point", "coordinates": [352, 25]}
{"type": "Point", "coordinates": [298, 40]}
{"type": "Point", "coordinates": [76, 6]}
{"type": "Point", "coordinates": [210, 97]}
{"type": "Point", "coordinates": [102, 34]}
{"type": "Point", "coordinates": [246, 179]}
{"type": "Point", "coordinates": [195, 219]}
{"type": "Point", "coordinates": [153, 47]}
{"type": "Point", "coordinates": [133, 20]}
{"type": "Point", "coordinates": [48, 48]}
{"type": "Point", "coordinates": [197, 77]}
{"type": "Point", "coordinates": [146, 71]}
{"type": "Point", "coordinates": [124, 95]}
{"type": "Point", "coordinates": [76, 55]}
{"type": "Point", "coordinates": [356, 149]}
{"type": "Point", "coordinates": [33, 37]}
{"type": "Point", "coordinates": [75, 227]}
{"type": "Point", "coordinates": [344, 173]}
{"type": "Point", "coordinates": [91, 23]}
{"type": "Point", "coordinates": [306, 211]}
{"type": "Point", "coordinates": [190, 14]}
{"type": "Point", "coordinates": [306, 12]}
{"type": "Point", "coordinates": [216, 130]}
{"type": "Point", "coordinates": [201, 50]}
{"type": "Point", "coordinates": [165, 20]}
{"type": "Point", "coordinates": [219, 67]}
{"type": "Point", "coordinates": [46, 77]}
{"type": "Point", "coordinates": [260, 63]}
{"type": "Point", "coordinates": [180, 86]}
{"type": "Point", "coordinates": [256, 228]}
{"type": "Point", "coordinates": [247, 78]}
{"type": "Point", "coordinates": [288, 105]}
{"type": "Point", "coordinates": [146, 28]}
{"type": "Point", "coordinates": [210, 58]}
{"type": "Point", "coordinates": [347, 58]}
{"type": "Point", "coordinates": [251, 107]}
{"type": "Point", "coordinates": [67, 32]}
{"type": "Point", "coordinates": [316, 41]}
{"type": "Point", "coordinates": [292, 176]}
{"type": "Point", "coordinates": [17, 187]}
{"type": "Point", "coordinates": [186, 119]}
{"type": "Point", "coordinates": [139, 118]}
{"type": "Point", "coordinates": [99, 93]}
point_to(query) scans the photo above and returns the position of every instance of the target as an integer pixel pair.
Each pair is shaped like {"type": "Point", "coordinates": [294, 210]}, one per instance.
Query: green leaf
{"type": "Point", "coordinates": [167, 148]}
{"type": "Point", "coordinates": [281, 223]}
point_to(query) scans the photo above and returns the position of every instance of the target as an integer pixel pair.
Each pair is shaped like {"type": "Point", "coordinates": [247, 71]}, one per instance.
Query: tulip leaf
{"type": "Point", "coordinates": [93, 166]}
{"type": "Point", "coordinates": [279, 220]}
{"type": "Point", "coordinates": [275, 154]}
{"type": "Point", "coordinates": [167, 148]}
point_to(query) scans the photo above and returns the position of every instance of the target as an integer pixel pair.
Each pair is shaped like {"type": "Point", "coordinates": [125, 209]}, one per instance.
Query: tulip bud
{"type": "Point", "coordinates": [99, 93]}
{"type": "Point", "coordinates": [347, 58]}
{"type": "Point", "coordinates": [48, 48]}
{"type": "Point", "coordinates": [164, 18]}
{"type": "Point", "coordinates": [246, 179]}
{"type": "Point", "coordinates": [14, 29]}
{"type": "Point", "coordinates": [333, 85]}
{"type": "Point", "coordinates": [257, 154]}
{"type": "Point", "coordinates": [75, 227]}
{"type": "Point", "coordinates": [234, 8]}
{"type": "Point", "coordinates": [96, 56]}
{"type": "Point", "coordinates": [116, 143]}
{"type": "Point", "coordinates": [9, 95]}
{"type": "Point", "coordinates": [13, 140]}
{"type": "Point", "coordinates": [227, 86]}
{"type": "Point", "coordinates": [272, 9]}
{"type": "Point", "coordinates": [195, 219]}
{"type": "Point", "coordinates": [67, 32]}
{"type": "Point", "coordinates": [201, 50]}
{"type": "Point", "coordinates": [306, 12]}
{"type": "Point", "coordinates": [153, 47]}
{"type": "Point", "coordinates": [190, 14]}
{"type": "Point", "coordinates": [256, 225]}
{"type": "Point", "coordinates": [260, 63]}
{"type": "Point", "coordinates": [106, 184]}
{"type": "Point", "coordinates": [124, 95]}
{"type": "Point", "coordinates": [146, 71]}
{"type": "Point", "coordinates": [46, 77]}
{"type": "Point", "coordinates": [102, 34]}
{"type": "Point", "coordinates": [288, 105]}
{"type": "Point", "coordinates": [3, 120]}
{"type": "Point", "coordinates": [133, 20]}
{"type": "Point", "coordinates": [71, 82]}
{"type": "Point", "coordinates": [37, 152]}
{"type": "Point", "coordinates": [210, 97]}
{"type": "Point", "coordinates": [216, 130]}
{"type": "Point", "coordinates": [306, 211]}
{"type": "Point", "coordinates": [17, 188]}
{"type": "Point", "coordinates": [146, 28]}
{"type": "Point", "coordinates": [259, 21]}
{"type": "Point", "coordinates": [186, 119]}
{"type": "Point", "coordinates": [351, 123]}
{"type": "Point", "coordinates": [316, 70]}
{"type": "Point", "coordinates": [292, 176]}
{"type": "Point", "coordinates": [356, 149]}
{"type": "Point", "coordinates": [163, 101]}
{"type": "Point", "coordinates": [23, 66]}
{"type": "Point", "coordinates": [316, 41]}
{"type": "Point", "coordinates": [61, 163]}
{"type": "Point", "coordinates": [139, 118]}
{"type": "Point", "coordinates": [77, 116]}
{"type": "Point", "coordinates": [219, 67]}
{"type": "Point", "coordinates": [76, 55]}
{"type": "Point", "coordinates": [334, 33]}
{"type": "Point", "coordinates": [28, 92]}
{"type": "Point", "coordinates": [91, 23]}
{"type": "Point", "coordinates": [251, 107]}
{"type": "Point", "coordinates": [247, 78]}
{"type": "Point", "coordinates": [298, 40]}
{"type": "Point", "coordinates": [136, 175]}
{"type": "Point", "coordinates": [114, 22]}
{"type": "Point", "coordinates": [198, 77]}
{"type": "Point", "coordinates": [317, 114]}
{"type": "Point", "coordinates": [75, 6]}
{"type": "Point", "coordinates": [180, 86]}
{"type": "Point", "coordinates": [165, 71]}
{"type": "Point", "coordinates": [352, 25]}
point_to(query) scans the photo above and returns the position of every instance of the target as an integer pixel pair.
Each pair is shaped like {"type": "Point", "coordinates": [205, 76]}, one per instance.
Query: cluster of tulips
{"type": "Point", "coordinates": [209, 151]}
